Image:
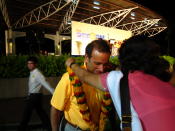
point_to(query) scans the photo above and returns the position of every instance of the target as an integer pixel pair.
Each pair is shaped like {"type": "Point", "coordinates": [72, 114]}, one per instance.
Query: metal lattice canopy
{"type": "Point", "coordinates": [51, 16]}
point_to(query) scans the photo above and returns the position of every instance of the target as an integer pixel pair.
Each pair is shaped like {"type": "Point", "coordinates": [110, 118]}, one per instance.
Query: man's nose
{"type": "Point", "coordinates": [101, 68]}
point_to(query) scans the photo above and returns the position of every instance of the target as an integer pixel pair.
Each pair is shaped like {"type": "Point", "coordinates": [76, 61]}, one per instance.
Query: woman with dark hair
{"type": "Point", "coordinates": [146, 76]}
{"type": "Point", "coordinates": [141, 53]}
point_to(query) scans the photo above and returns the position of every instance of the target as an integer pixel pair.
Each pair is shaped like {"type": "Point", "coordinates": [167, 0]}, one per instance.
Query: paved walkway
{"type": "Point", "coordinates": [11, 113]}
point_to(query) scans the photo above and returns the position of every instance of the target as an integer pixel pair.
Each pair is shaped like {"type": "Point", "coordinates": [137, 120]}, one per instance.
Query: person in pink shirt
{"type": "Point", "coordinates": [151, 93]}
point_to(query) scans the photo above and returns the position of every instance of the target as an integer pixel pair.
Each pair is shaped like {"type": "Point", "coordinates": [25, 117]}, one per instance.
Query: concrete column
{"type": "Point", "coordinates": [9, 42]}
{"type": "Point", "coordinates": [58, 43]}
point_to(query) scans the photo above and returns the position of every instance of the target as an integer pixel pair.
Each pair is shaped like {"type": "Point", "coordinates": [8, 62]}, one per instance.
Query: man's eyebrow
{"type": "Point", "coordinates": [101, 63]}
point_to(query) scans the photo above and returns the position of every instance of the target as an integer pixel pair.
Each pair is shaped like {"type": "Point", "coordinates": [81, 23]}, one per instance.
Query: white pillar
{"type": "Point", "coordinates": [57, 44]}
{"type": "Point", "coordinates": [6, 42]}
{"type": "Point", "coordinates": [57, 41]}
{"type": "Point", "coordinates": [9, 42]}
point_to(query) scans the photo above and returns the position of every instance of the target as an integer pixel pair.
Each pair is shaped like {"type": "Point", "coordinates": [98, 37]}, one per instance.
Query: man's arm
{"type": "Point", "coordinates": [59, 99]}
{"type": "Point", "coordinates": [55, 116]}
{"type": "Point", "coordinates": [47, 86]}
{"type": "Point", "coordinates": [42, 80]}
{"type": "Point", "coordinates": [85, 76]}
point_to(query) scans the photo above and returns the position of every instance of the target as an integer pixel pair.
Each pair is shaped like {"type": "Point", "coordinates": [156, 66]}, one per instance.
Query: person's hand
{"type": "Point", "coordinates": [69, 61]}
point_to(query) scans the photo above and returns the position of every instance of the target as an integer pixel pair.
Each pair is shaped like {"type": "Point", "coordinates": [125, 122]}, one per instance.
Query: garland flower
{"type": "Point", "coordinates": [84, 109]}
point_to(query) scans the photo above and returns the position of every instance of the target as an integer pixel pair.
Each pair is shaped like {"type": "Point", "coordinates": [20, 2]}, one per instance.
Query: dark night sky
{"type": "Point", "coordinates": [165, 8]}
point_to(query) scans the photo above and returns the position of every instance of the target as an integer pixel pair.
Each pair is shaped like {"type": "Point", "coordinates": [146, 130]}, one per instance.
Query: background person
{"type": "Point", "coordinates": [34, 98]}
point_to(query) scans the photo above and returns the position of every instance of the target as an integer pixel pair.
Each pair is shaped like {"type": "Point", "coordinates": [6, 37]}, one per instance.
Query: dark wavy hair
{"type": "Point", "coordinates": [142, 53]}
{"type": "Point", "coordinates": [33, 59]}
{"type": "Point", "coordinates": [100, 45]}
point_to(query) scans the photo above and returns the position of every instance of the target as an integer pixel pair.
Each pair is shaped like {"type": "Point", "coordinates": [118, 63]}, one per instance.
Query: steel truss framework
{"type": "Point", "coordinates": [5, 12]}
{"type": "Point", "coordinates": [41, 13]}
{"type": "Point", "coordinates": [154, 31]}
{"type": "Point", "coordinates": [68, 15]}
{"type": "Point", "coordinates": [109, 19]}
{"type": "Point", "coordinates": [145, 27]}
{"type": "Point", "coordinates": [113, 19]}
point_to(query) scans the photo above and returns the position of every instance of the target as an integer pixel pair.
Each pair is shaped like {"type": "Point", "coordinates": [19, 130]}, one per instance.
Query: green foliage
{"type": "Point", "coordinates": [52, 65]}
{"type": "Point", "coordinates": [79, 60]}
{"type": "Point", "coordinates": [13, 66]}
{"type": "Point", "coordinates": [114, 60]}
{"type": "Point", "coordinates": [16, 66]}
{"type": "Point", "coordinates": [170, 59]}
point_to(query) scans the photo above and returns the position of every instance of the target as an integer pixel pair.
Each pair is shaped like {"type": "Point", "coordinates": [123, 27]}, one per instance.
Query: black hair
{"type": "Point", "coordinates": [33, 59]}
{"type": "Point", "coordinates": [100, 45]}
{"type": "Point", "coordinates": [142, 53]}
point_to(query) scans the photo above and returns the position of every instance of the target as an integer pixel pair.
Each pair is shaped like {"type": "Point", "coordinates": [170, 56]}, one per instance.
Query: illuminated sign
{"type": "Point", "coordinates": [83, 34]}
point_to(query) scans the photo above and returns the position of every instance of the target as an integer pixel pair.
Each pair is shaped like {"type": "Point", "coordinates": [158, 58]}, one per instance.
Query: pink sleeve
{"type": "Point", "coordinates": [103, 78]}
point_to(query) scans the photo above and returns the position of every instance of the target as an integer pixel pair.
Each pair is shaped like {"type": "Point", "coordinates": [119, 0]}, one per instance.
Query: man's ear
{"type": "Point", "coordinates": [86, 59]}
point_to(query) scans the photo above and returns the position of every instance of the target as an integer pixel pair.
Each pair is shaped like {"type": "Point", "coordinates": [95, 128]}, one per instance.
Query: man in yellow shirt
{"type": "Point", "coordinates": [96, 60]}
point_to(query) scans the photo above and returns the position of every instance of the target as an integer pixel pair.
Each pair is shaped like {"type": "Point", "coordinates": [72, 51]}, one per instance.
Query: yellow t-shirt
{"type": "Point", "coordinates": [63, 99]}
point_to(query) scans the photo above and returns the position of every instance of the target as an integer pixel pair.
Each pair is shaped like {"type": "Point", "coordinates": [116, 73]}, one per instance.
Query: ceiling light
{"type": "Point", "coordinates": [133, 14]}
{"type": "Point", "coordinates": [96, 7]}
{"type": "Point", "coordinates": [133, 18]}
{"type": "Point", "coordinates": [68, 0]}
{"type": "Point", "coordinates": [96, 3]}
{"type": "Point", "coordinates": [156, 24]}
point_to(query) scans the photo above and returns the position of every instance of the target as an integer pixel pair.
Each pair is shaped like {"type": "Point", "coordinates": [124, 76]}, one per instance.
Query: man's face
{"type": "Point", "coordinates": [31, 65]}
{"type": "Point", "coordinates": [97, 62]}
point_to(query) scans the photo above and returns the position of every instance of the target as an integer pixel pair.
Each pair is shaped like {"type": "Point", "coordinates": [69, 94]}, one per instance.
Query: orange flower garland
{"type": "Point", "coordinates": [82, 103]}
{"type": "Point", "coordinates": [105, 109]}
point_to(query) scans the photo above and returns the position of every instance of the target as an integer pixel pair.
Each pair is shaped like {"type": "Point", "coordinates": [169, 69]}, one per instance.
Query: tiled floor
{"type": "Point", "coordinates": [11, 113]}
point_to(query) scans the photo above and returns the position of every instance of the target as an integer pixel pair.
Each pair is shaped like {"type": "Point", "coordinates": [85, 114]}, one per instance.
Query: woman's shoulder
{"type": "Point", "coordinates": [114, 76]}
{"type": "Point", "coordinates": [115, 73]}
{"type": "Point", "coordinates": [150, 84]}
{"type": "Point", "coordinates": [141, 76]}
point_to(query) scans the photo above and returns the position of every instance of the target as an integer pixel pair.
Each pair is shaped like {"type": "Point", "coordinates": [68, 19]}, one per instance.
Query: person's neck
{"type": "Point", "coordinates": [32, 69]}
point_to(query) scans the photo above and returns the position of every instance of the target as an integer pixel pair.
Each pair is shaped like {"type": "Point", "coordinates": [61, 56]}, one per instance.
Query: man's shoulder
{"type": "Point", "coordinates": [65, 75]}
{"type": "Point", "coordinates": [65, 78]}
{"type": "Point", "coordinates": [38, 72]}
